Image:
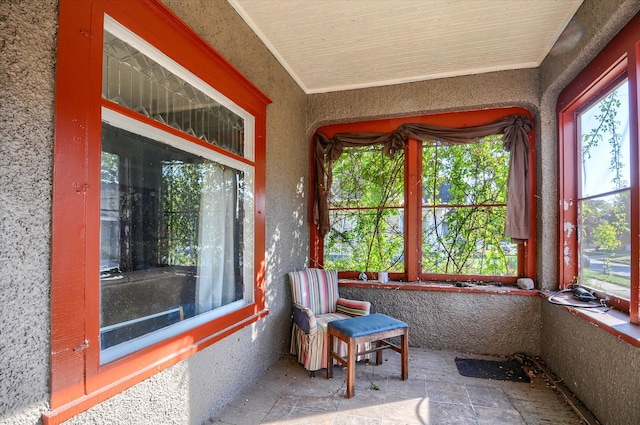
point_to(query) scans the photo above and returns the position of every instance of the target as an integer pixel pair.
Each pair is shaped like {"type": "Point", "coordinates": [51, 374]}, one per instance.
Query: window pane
{"type": "Point", "coordinates": [174, 236]}
{"type": "Point", "coordinates": [464, 207]}
{"type": "Point", "coordinates": [467, 240]}
{"type": "Point", "coordinates": [604, 210]}
{"type": "Point", "coordinates": [362, 240]}
{"type": "Point", "coordinates": [366, 215]}
{"type": "Point", "coordinates": [605, 244]}
{"type": "Point", "coordinates": [605, 154]}
{"type": "Point", "coordinates": [136, 81]}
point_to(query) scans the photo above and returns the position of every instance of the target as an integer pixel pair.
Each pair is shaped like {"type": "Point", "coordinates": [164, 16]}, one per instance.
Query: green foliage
{"type": "Point", "coordinates": [464, 197]}
{"type": "Point", "coordinates": [181, 192]}
{"type": "Point", "coordinates": [464, 209]}
{"type": "Point", "coordinates": [606, 236]}
{"type": "Point", "coordinates": [610, 128]}
{"type": "Point", "coordinates": [604, 217]}
{"type": "Point", "coordinates": [109, 167]}
{"type": "Point", "coordinates": [366, 232]}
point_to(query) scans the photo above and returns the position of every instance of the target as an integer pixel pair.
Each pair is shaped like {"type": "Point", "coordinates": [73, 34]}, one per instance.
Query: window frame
{"type": "Point", "coordinates": [78, 381]}
{"type": "Point", "coordinates": [413, 190]}
{"type": "Point", "coordinates": [618, 60]}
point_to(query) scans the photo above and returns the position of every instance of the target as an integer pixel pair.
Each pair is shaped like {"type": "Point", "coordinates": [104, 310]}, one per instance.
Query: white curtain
{"type": "Point", "coordinates": [215, 284]}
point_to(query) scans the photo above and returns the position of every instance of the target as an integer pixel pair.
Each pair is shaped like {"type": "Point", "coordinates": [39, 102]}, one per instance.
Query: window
{"type": "Point", "coordinates": [603, 197]}
{"type": "Point", "coordinates": [366, 212]}
{"type": "Point", "coordinates": [158, 239]}
{"type": "Point", "coordinates": [599, 172]}
{"type": "Point", "coordinates": [464, 207]}
{"type": "Point", "coordinates": [435, 210]}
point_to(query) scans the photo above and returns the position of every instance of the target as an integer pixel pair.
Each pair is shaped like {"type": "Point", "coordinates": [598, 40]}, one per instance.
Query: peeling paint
{"type": "Point", "coordinates": [568, 228]}
{"type": "Point", "coordinates": [567, 254]}
{"type": "Point", "coordinates": [566, 205]}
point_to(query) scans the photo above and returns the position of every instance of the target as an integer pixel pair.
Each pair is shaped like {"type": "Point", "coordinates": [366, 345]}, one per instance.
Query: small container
{"type": "Point", "coordinates": [383, 277]}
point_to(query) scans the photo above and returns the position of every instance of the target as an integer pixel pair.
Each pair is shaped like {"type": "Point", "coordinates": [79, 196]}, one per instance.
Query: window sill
{"type": "Point", "coordinates": [440, 286]}
{"type": "Point", "coordinates": [613, 321]}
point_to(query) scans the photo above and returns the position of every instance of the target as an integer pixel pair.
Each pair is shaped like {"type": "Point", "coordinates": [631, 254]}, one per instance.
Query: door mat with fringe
{"type": "Point", "coordinates": [490, 369]}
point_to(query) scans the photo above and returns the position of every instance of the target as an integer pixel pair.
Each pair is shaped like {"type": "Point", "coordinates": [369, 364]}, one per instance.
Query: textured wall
{"type": "Point", "coordinates": [461, 321]}
{"type": "Point", "coordinates": [192, 390]}
{"type": "Point", "coordinates": [482, 91]}
{"type": "Point", "coordinates": [601, 369]}
{"type": "Point", "coordinates": [593, 26]}
{"type": "Point", "coordinates": [27, 70]}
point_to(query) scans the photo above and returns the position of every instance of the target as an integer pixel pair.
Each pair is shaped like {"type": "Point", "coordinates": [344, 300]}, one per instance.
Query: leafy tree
{"type": "Point", "coordinates": [109, 168]}
{"type": "Point", "coordinates": [181, 192]}
{"type": "Point", "coordinates": [605, 217]}
{"type": "Point", "coordinates": [367, 222]}
{"type": "Point", "coordinates": [609, 127]}
{"type": "Point", "coordinates": [464, 197]}
{"type": "Point", "coordinates": [464, 209]}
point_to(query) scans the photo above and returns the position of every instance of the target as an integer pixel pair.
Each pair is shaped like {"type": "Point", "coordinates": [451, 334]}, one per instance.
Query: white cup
{"type": "Point", "coordinates": [383, 277]}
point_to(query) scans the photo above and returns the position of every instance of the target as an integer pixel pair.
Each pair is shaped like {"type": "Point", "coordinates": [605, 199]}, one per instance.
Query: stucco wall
{"type": "Point", "coordinates": [192, 390]}
{"type": "Point", "coordinates": [593, 26]}
{"type": "Point", "coordinates": [482, 91]}
{"type": "Point", "coordinates": [27, 68]}
{"type": "Point", "coordinates": [460, 321]}
{"type": "Point", "coordinates": [601, 369]}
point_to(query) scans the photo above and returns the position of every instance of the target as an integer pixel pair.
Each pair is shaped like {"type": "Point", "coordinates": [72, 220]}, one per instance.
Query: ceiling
{"type": "Point", "coordinates": [331, 45]}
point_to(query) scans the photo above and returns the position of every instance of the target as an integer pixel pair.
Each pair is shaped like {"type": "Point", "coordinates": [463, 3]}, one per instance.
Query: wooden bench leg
{"type": "Point", "coordinates": [404, 344]}
{"type": "Point", "coordinates": [379, 352]}
{"type": "Point", "coordinates": [351, 367]}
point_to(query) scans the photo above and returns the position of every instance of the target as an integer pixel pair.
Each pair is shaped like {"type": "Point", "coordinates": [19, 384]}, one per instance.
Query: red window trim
{"type": "Point", "coordinates": [621, 56]}
{"type": "Point", "coordinates": [526, 255]}
{"type": "Point", "coordinates": [77, 379]}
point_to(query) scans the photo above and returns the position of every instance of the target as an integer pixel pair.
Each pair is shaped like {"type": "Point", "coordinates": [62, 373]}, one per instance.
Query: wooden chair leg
{"type": "Point", "coordinates": [351, 367]}
{"type": "Point", "coordinates": [404, 343]}
{"type": "Point", "coordinates": [329, 358]}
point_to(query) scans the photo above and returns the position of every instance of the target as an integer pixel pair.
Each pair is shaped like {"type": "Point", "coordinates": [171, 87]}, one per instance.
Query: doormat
{"type": "Point", "coordinates": [490, 369]}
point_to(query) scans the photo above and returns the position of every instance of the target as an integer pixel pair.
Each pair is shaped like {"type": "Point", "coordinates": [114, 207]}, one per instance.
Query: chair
{"type": "Point", "coordinates": [316, 302]}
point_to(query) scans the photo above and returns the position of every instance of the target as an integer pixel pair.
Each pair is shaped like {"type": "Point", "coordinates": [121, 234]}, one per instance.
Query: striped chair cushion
{"type": "Point", "coordinates": [315, 289]}
{"type": "Point", "coordinates": [353, 307]}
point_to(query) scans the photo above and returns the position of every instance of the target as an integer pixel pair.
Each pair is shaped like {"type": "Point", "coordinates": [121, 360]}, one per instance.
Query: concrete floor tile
{"type": "Point", "coordinates": [278, 413]}
{"type": "Point", "coordinates": [240, 416]}
{"type": "Point", "coordinates": [302, 416]}
{"type": "Point", "coordinates": [410, 388]}
{"type": "Point", "coordinates": [349, 419]}
{"type": "Point", "coordinates": [367, 405]}
{"type": "Point", "coordinates": [450, 414]}
{"type": "Point", "coordinates": [320, 404]}
{"type": "Point", "coordinates": [490, 416]}
{"type": "Point", "coordinates": [435, 393]}
{"type": "Point", "coordinates": [398, 410]}
{"type": "Point", "coordinates": [447, 392]}
{"type": "Point", "coordinates": [488, 397]}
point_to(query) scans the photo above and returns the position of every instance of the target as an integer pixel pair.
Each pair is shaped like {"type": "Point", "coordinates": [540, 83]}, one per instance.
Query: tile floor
{"type": "Point", "coordinates": [435, 393]}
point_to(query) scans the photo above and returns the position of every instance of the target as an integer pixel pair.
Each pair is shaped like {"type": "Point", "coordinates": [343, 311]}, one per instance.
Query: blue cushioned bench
{"type": "Point", "coordinates": [358, 330]}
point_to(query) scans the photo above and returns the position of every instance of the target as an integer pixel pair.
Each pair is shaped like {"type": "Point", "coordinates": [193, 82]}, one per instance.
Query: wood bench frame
{"type": "Point", "coordinates": [380, 344]}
